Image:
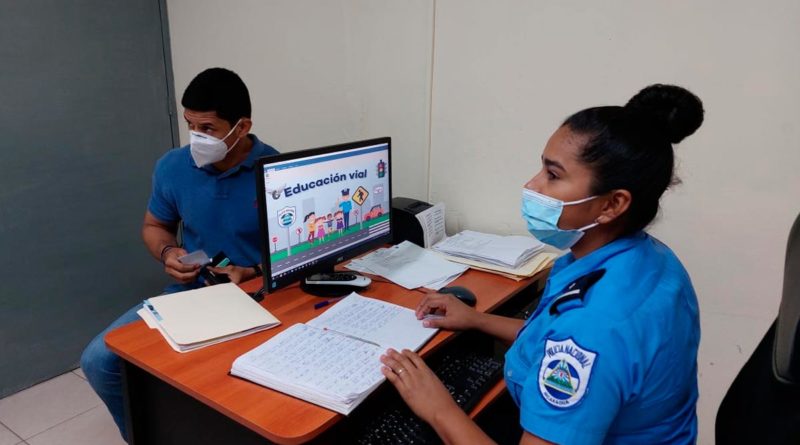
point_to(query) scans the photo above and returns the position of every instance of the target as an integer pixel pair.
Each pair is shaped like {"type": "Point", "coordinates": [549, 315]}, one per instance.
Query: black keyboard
{"type": "Point", "coordinates": [467, 376]}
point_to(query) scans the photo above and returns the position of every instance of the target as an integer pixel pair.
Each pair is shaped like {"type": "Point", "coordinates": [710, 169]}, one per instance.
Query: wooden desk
{"type": "Point", "coordinates": [203, 374]}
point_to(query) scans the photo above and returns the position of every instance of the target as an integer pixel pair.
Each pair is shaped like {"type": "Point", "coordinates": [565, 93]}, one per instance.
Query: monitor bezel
{"type": "Point", "coordinates": [325, 264]}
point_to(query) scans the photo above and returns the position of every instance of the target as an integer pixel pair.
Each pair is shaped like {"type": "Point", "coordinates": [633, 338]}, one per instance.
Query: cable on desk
{"type": "Point", "coordinates": [259, 294]}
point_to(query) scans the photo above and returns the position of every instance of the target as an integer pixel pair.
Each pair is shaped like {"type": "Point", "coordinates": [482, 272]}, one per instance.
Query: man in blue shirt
{"type": "Point", "coordinates": [208, 187]}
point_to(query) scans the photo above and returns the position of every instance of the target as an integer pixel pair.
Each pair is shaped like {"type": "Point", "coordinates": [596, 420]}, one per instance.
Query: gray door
{"type": "Point", "coordinates": [85, 111]}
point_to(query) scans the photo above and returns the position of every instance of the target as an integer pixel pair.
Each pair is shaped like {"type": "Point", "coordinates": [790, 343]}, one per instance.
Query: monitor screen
{"type": "Point", "coordinates": [321, 206]}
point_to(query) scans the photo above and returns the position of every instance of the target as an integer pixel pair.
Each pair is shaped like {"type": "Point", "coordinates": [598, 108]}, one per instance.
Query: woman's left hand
{"type": "Point", "coordinates": [417, 384]}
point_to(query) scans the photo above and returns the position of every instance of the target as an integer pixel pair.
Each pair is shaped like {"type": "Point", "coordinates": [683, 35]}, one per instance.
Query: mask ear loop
{"type": "Point", "coordinates": [589, 226]}
{"type": "Point", "coordinates": [580, 201]}
{"type": "Point", "coordinates": [229, 133]}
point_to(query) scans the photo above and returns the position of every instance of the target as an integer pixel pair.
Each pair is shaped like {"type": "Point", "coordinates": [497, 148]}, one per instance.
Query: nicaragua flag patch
{"type": "Point", "coordinates": [565, 372]}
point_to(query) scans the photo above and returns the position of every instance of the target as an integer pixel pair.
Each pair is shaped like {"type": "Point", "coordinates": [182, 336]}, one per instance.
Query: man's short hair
{"type": "Point", "coordinates": [219, 90]}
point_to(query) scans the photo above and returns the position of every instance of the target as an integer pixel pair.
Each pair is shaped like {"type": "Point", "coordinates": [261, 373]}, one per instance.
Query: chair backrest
{"type": "Point", "coordinates": [786, 352]}
{"type": "Point", "coordinates": [763, 403]}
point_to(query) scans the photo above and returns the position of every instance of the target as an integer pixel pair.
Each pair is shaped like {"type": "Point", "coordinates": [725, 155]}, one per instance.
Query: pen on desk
{"type": "Point", "coordinates": [322, 304]}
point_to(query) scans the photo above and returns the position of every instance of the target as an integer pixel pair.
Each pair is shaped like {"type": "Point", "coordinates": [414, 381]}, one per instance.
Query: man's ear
{"type": "Point", "coordinates": [615, 205]}
{"type": "Point", "coordinates": [244, 126]}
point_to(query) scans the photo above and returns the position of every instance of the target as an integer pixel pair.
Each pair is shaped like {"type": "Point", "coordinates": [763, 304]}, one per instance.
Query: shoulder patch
{"type": "Point", "coordinates": [565, 372]}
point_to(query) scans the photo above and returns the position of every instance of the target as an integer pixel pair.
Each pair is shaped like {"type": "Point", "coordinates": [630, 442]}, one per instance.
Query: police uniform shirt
{"type": "Point", "coordinates": [617, 364]}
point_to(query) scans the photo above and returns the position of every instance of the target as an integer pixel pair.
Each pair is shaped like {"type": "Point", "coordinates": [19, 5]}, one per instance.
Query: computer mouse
{"type": "Point", "coordinates": [462, 293]}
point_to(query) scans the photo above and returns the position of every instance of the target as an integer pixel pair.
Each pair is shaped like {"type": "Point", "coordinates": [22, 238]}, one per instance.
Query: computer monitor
{"type": "Point", "coordinates": [321, 206]}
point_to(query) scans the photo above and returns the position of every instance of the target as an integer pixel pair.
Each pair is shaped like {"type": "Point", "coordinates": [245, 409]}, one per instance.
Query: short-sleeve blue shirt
{"type": "Point", "coordinates": [218, 209]}
{"type": "Point", "coordinates": [618, 366]}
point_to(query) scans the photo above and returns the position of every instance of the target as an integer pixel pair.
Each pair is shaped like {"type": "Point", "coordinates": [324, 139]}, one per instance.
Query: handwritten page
{"type": "Point", "coordinates": [324, 362]}
{"type": "Point", "coordinates": [375, 321]}
{"type": "Point", "coordinates": [334, 359]}
{"type": "Point", "coordinates": [432, 222]}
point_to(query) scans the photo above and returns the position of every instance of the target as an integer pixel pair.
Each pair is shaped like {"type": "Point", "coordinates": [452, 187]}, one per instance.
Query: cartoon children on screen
{"type": "Point", "coordinates": [329, 224]}
{"type": "Point", "coordinates": [318, 228]}
{"type": "Point", "coordinates": [320, 223]}
{"type": "Point", "coordinates": [339, 221]}
{"type": "Point", "coordinates": [311, 221]}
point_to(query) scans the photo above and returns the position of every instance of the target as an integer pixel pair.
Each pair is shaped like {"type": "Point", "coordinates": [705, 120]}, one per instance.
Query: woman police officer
{"type": "Point", "coordinates": [610, 354]}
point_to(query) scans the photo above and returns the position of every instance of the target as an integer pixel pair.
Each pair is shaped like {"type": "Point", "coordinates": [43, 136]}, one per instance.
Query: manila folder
{"type": "Point", "coordinates": [210, 312]}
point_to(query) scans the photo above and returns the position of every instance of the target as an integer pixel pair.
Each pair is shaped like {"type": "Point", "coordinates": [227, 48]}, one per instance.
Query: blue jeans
{"type": "Point", "coordinates": [103, 368]}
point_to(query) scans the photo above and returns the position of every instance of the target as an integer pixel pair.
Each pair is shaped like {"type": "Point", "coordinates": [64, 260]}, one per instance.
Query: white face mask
{"type": "Point", "coordinates": [207, 149]}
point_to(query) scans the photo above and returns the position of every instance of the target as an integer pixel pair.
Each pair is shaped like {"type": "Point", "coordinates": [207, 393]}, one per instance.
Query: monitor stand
{"type": "Point", "coordinates": [333, 284]}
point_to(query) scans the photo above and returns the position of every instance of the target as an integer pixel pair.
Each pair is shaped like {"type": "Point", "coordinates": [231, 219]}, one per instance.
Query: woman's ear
{"type": "Point", "coordinates": [616, 204]}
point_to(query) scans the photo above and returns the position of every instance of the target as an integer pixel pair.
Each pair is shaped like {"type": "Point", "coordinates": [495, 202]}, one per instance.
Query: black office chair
{"type": "Point", "coordinates": [762, 405]}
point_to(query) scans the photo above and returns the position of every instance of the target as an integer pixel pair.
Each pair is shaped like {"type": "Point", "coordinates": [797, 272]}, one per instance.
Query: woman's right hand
{"type": "Point", "coordinates": [447, 311]}
{"type": "Point", "coordinates": [183, 273]}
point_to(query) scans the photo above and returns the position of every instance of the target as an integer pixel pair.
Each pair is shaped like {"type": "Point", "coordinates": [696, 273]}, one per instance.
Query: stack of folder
{"type": "Point", "coordinates": [408, 265]}
{"type": "Point", "coordinates": [538, 263]}
{"type": "Point", "coordinates": [515, 257]}
{"type": "Point", "coordinates": [202, 317]}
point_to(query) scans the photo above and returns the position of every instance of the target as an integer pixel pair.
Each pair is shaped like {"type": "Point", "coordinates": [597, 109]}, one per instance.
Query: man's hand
{"type": "Point", "coordinates": [237, 274]}
{"type": "Point", "coordinates": [183, 273]}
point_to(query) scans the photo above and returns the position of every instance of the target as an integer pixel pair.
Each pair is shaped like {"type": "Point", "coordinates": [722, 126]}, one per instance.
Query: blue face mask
{"type": "Point", "coordinates": [542, 214]}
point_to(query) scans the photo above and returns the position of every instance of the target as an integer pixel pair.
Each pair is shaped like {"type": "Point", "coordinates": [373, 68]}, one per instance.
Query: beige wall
{"type": "Point", "coordinates": [506, 74]}
{"type": "Point", "coordinates": [320, 72]}
{"type": "Point", "coordinates": [500, 76]}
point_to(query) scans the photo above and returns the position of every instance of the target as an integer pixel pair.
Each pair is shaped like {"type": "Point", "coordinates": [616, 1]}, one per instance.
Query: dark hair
{"type": "Point", "coordinates": [630, 147]}
{"type": "Point", "coordinates": [218, 90]}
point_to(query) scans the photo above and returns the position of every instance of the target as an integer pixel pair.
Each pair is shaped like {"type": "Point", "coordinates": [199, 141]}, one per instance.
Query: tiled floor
{"type": "Point", "coordinates": [61, 411]}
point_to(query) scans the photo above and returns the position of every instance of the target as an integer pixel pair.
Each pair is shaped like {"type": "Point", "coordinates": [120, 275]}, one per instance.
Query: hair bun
{"type": "Point", "coordinates": [671, 108]}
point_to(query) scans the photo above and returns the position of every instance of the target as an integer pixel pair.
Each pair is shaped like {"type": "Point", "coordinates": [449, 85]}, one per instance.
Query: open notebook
{"type": "Point", "coordinates": [334, 360]}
